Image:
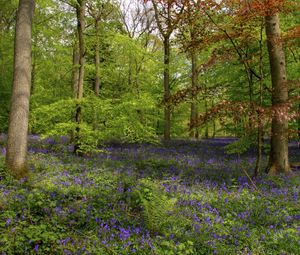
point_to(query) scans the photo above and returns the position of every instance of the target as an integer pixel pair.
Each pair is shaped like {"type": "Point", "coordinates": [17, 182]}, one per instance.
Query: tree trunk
{"type": "Point", "coordinates": [299, 125]}
{"type": "Point", "coordinates": [75, 71]}
{"type": "Point", "coordinates": [19, 111]}
{"type": "Point", "coordinates": [206, 135]}
{"type": "Point", "coordinates": [80, 11]}
{"type": "Point", "coordinates": [33, 66]}
{"type": "Point", "coordinates": [166, 34]}
{"type": "Point", "coordinates": [260, 143]}
{"type": "Point", "coordinates": [167, 110]}
{"type": "Point", "coordinates": [97, 60]}
{"type": "Point", "coordinates": [260, 127]}
{"type": "Point", "coordinates": [278, 159]}
{"type": "Point", "coordinates": [194, 110]}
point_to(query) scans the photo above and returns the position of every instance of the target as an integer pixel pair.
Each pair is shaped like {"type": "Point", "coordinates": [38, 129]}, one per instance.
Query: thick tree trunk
{"type": "Point", "coordinates": [194, 110]}
{"type": "Point", "coordinates": [167, 93]}
{"type": "Point", "coordinates": [97, 60]}
{"type": "Point", "coordinates": [19, 111]}
{"type": "Point", "coordinates": [278, 159]}
{"type": "Point", "coordinates": [80, 10]}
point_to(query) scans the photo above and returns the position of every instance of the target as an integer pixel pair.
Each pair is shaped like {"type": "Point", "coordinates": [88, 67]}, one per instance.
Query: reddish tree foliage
{"type": "Point", "coordinates": [238, 109]}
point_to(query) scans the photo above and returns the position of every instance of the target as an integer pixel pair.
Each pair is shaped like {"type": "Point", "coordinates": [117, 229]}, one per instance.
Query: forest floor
{"type": "Point", "coordinates": [178, 198]}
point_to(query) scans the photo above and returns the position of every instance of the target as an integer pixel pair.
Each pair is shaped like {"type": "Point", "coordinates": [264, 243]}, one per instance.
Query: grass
{"type": "Point", "coordinates": [181, 198]}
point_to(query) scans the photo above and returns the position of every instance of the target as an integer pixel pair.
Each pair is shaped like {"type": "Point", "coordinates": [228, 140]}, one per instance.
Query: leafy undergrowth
{"type": "Point", "coordinates": [184, 198]}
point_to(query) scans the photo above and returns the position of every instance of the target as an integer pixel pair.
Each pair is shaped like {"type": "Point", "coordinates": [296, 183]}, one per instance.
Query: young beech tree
{"type": "Point", "coordinates": [101, 12]}
{"type": "Point", "coordinates": [75, 69]}
{"type": "Point", "coordinates": [278, 160]}
{"type": "Point", "coordinates": [19, 111]}
{"type": "Point", "coordinates": [166, 16]}
{"type": "Point", "coordinates": [193, 33]}
{"type": "Point", "coordinates": [80, 11]}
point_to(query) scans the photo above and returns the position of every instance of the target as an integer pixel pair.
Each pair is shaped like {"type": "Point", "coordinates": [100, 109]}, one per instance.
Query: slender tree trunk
{"type": "Point", "coordinates": [19, 111]}
{"type": "Point", "coordinates": [206, 135]}
{"type": "Point", "coordinates": [97, 60]}
{"type": "Point", "coordinates": [278, 159]}
{"type": "Point", "coordinates": [194, 109]}
{"type": "Point", "coordinates": [166, 34]}
{"type": "Point", "coordinates": [167, 110]}
{"type": "Point", "coordinates": [75, 71]}
{"type": "Point", "coordinates": [260, 127]}
{"type": "Point", "coordinates": [80, 10]}
{"type": "Point", "coordinates": [260, 137]}
{"type": "Point", "coordinates": [251, 102]}
{"type": "Point", "coordinates": [75, 76]}
{"type": "Point", "coordinates": [260, 142]}
{"type": "Point", "coordinates": [96, 84]}
{"type": "Point", "coordinates": [299, 126]}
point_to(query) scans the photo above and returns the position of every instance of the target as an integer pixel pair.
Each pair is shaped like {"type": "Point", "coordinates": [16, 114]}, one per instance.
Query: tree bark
{"type": "Point", "coordinates": [80, 11]}
{"type": "Point", "coordinates": [16, 155]}
{"type": "Point", "coordinates": [259, 147]}
{"type": "Point", "coordinates": [75, 71]}
{"type": "Point", "coordinates": [278, 159]}
{"type": "Point", "coordinates": [194, 110]}
{"type": "Point", "coordinates": [166, 34]}
{"type": "Point", "coordinates": [299, 125]}
{"type": "Point", "coordinates": [97, 60]}
{"type": "Point", "coordinates": [206, 135]}
{"type": "Point", "coordinates": [214, 129]}
{"type": "Point", "coordinates": [167, 110]}
{"type": "Point", "coordinates": [260, 127]}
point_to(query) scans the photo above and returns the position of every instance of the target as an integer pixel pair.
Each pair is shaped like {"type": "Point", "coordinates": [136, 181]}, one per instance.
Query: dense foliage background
{"type": "Point", "coordinates": [130, 102]}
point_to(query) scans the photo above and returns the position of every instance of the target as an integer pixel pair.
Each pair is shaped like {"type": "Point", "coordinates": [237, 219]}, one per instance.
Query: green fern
{"type": "Point", "coordinates": [156, 206]}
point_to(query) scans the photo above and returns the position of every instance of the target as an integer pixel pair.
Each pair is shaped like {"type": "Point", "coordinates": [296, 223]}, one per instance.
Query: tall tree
{"type": "Point", "coordinates": [101, 12]}
{"type": "Point", "coordinates": [80, 11]}
{"type": "Point", "coordinates": [75, 70]}
{"type": "Point", "coordinates": [19, 111]}
{"type": "Point", "coordinates": [192, 31]}
{"type": "Point", "coordinates": [278, 159]}
{"type": "Point", "coordinates": [166, 23]}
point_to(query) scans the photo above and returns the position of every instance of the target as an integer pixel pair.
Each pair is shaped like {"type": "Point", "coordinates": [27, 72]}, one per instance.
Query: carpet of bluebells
{"type": "Point", "coordinates": [178, 198]}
